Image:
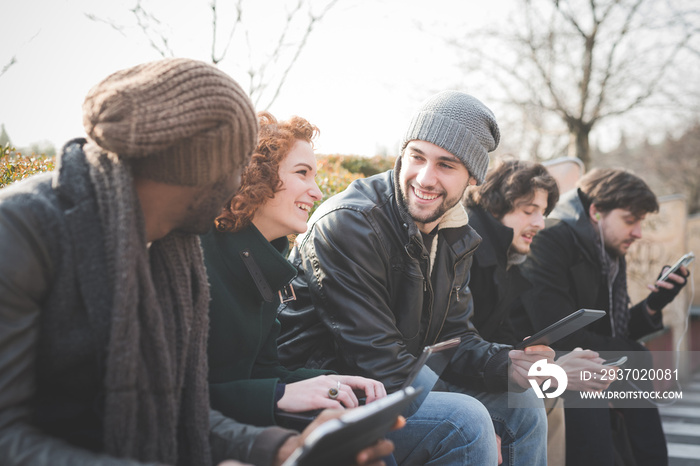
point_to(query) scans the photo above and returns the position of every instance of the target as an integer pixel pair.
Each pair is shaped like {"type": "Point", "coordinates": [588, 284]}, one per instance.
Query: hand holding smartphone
{"type": "Point", "coordinates": [685, 260]}
{"type": "Point", "coordinates": [616, 362]}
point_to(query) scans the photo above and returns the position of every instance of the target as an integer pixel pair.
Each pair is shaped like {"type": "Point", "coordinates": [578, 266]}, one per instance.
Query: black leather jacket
{"type": "Point", "coordinates": [367, 302]}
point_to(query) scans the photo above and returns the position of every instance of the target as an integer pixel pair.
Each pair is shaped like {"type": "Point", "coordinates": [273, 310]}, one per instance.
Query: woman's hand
{"type": "Point", "coordinates": [373, 389]}
{"type": "Point", "coordinates": [315, 393]}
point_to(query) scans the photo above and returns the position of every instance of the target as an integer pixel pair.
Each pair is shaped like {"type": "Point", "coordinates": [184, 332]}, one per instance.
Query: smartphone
{"type": "Point", "coordinates": [685, 260]}
{"type": "Point", "coordinates": [615, 362]}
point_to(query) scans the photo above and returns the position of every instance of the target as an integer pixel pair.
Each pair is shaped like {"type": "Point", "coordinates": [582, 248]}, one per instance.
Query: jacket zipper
{"type": "Point", "coordinates": [449, 300]}
{"type": "Point", "coordinates": [423, 258]}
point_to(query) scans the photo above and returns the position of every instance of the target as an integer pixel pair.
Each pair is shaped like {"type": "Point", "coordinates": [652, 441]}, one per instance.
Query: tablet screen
{"type": "Point", "coordinates": [562, 328]}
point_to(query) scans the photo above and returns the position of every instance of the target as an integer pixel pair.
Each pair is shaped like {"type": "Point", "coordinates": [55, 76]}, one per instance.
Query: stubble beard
{"type": "Point", "coordinates": [422, 217]}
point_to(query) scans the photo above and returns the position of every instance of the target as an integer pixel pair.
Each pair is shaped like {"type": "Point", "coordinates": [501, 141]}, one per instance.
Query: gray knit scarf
{"type": "Point", "coordinates": [615, 275]}
{"type": "Point", "coordinates": [156, 395]}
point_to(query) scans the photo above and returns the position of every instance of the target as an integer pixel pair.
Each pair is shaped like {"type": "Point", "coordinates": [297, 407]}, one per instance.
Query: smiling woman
{"type": "Point", "coordinates": [248, 273]}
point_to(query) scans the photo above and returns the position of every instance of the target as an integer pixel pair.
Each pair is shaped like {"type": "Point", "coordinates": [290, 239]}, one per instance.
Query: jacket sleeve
{"type": "Point", "coordinates": [549, 268]}
{"type": "Point", "coordinates": [25, 274]}
{"type": "Point", "coordinates": [642, 323]}
{"type": "Point", "coordinates": [255, 445]}
{"type": "Point", "coordinates": [252, 400]}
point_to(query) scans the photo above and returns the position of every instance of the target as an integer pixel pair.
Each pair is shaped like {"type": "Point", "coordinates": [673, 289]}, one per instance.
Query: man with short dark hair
{"type": "Point", "coordinates": [103, 292]}
{"type": "Point", "coordinates": [578, 261]}
{"type": "Point", "coordinates": [386, 266]}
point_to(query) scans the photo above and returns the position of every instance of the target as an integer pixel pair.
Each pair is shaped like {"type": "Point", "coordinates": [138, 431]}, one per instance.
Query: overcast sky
{"type": "Point", "coordinates": [366, 66]}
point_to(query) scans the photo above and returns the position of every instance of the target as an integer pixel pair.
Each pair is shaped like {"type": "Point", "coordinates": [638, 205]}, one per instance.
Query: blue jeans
{"type": "Point", "coordinates": [522, 426]}
{"type": "Point", "coordinates": [448, 429]}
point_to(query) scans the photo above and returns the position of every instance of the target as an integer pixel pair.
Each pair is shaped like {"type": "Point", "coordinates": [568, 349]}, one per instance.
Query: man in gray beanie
{"type": "Point", "coordinates": [384, 271]}
{"type": "Point", "coordinates": [103, 293]}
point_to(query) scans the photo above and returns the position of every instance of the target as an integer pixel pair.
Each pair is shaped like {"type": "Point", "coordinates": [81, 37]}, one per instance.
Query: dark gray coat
{"type": "Point", "coordinates": [565, 270]}
{"type": "Point", "coordinates": [52, 348]}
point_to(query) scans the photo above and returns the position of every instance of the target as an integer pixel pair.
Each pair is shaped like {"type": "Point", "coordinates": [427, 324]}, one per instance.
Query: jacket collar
{"type": "Point", "coordinates": [263, 263]}
{"type": "Point", "coordinates": [72, 176]}
{"type": "Point", "coordinates": [571, 210]}
{"type": "Point", "coordinates": [496, 237]}
{"type": "Point", "coordinates": [74, 189]}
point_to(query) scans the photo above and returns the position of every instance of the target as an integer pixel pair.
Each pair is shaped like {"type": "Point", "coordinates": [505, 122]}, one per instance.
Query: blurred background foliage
{"type": "Point", "coordinates": [16, 166]}
{"type": "Point", "coordinates": [335, 172]}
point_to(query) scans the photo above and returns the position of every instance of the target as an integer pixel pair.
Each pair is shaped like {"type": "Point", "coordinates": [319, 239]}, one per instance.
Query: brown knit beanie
{"type": "Point", "coordinates": [177, 121]}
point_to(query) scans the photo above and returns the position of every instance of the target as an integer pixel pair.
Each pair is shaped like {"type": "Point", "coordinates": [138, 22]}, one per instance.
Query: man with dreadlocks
{"type": "Point", "coordinates": [103, 292]}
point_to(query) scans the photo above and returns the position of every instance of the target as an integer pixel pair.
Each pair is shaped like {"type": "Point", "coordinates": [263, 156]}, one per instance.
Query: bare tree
{"type": "Point", "coordinates": [266, 70]}
{"type": "Point", "coordinates": [678, 166]}
{"type": "Point", "coordinates": [8, 65]}
{"type": "Point", "coordinates": [574, 64]}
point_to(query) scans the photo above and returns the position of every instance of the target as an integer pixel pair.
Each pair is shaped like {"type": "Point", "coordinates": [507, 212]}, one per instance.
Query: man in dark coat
{"type": "Point", "coordinates": [578, 261]}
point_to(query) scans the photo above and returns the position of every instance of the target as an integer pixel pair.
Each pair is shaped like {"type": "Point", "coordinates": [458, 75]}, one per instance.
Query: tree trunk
{"type": "Point", "coordinates": [579, 145]}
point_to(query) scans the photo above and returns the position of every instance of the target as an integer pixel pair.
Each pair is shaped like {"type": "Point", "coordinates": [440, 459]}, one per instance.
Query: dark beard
{"type": "Point", "coordinates": [442, 210]}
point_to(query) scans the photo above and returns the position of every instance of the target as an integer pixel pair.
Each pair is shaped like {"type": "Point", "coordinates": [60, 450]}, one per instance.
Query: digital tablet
{"type": "Point", "coordinates": [337, 441]}
{"type": "Point", "coordinates": [562, 328]}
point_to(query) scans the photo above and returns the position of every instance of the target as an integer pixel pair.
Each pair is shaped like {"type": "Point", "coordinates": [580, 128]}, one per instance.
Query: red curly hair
{"type": "Point", "coordinates": [260, 180]}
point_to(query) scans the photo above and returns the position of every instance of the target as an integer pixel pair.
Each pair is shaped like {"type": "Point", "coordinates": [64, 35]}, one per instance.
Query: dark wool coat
{"type": "Point", "coordinates": [245, 273]}
{"type": "Point", "coordinates": [52, 344]}
{"type": "Point", "coordinates": [565, 270]}
{"type": "Point", "coordinates": [495, 287]}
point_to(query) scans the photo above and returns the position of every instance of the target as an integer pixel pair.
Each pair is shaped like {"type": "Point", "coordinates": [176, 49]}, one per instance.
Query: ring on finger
{"type": "Point", "coordinates": [334, 392]}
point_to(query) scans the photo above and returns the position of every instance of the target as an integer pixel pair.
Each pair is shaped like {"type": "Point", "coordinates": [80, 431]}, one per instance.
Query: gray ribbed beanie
{"type": "Point", "coordinates": [177, 120]}
{"type": "Point", "coordinates": [460, 124]}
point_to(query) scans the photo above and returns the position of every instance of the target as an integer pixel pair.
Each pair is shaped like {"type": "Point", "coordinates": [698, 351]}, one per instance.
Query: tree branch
{"type": "Point", "coordinates": [313, 19]}
{"type": "Point", "coordinates": [144, 19]}
{"type": "Point", "coordinates": [8, 65]}
{"type": "Point", "coordinates": [239, 18]}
